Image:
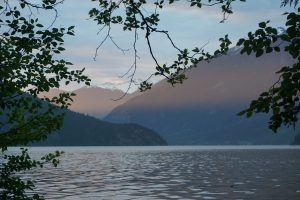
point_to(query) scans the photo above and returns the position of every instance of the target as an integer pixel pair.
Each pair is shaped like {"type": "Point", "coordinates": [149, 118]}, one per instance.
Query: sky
{"type": "Point", "coordinates": [189, 27]}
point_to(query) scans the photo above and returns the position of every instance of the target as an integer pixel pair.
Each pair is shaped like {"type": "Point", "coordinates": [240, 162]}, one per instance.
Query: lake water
{"type": "Point", "coordinates": [175, 172]}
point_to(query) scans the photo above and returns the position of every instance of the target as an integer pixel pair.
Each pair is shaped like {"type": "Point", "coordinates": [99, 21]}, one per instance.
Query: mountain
{"type": "Point", "coordinates": [82, 130]}
{"type": "Point", "coordinates": [297, 139]}
{"type": "Point", "coordinates": [203, 109]}
{"type": "Point", "coordinates": [94, 101]}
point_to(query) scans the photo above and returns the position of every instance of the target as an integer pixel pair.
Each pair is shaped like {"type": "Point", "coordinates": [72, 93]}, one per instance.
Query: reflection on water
{"type": "Point", "coordinates": [171, 173]}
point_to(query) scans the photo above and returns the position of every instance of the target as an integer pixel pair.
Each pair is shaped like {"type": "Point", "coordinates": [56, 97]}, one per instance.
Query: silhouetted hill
{"type": "Point", "coordinates": [203, 109]}
{"type": "Point", "coordinates": [82, 130]}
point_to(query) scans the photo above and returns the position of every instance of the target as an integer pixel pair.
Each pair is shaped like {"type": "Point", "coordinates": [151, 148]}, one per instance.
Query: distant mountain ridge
{"type": "Point", "coordinates": [203, 109]}
{"type": "Point", "coordinates": [94, 101]}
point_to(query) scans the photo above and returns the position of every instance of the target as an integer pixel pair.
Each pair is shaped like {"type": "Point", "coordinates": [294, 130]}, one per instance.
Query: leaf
{"type": "Point", "coordinates": [249, 114]}
{"type": "Point", "coordinates": [269, 49]}
{"type": "Point", "coordinates": [241, 113]}
{"type": "Point", "coordinates": [277, 49]}
{"type": "Point", "coordinates": [240, 42]}
{"type": "Point", "coordinates": [262, 24]}
{"type": "Point", "coordinates": [259, 52]}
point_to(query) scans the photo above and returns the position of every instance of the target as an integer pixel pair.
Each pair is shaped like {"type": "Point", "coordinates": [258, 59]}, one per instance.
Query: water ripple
{"type": "Point", "coordinates": [145, 174]}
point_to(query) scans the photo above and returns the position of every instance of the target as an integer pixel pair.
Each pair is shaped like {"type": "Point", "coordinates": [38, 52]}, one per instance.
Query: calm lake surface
{"type": "Point", "coordinates": [174, 172]}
